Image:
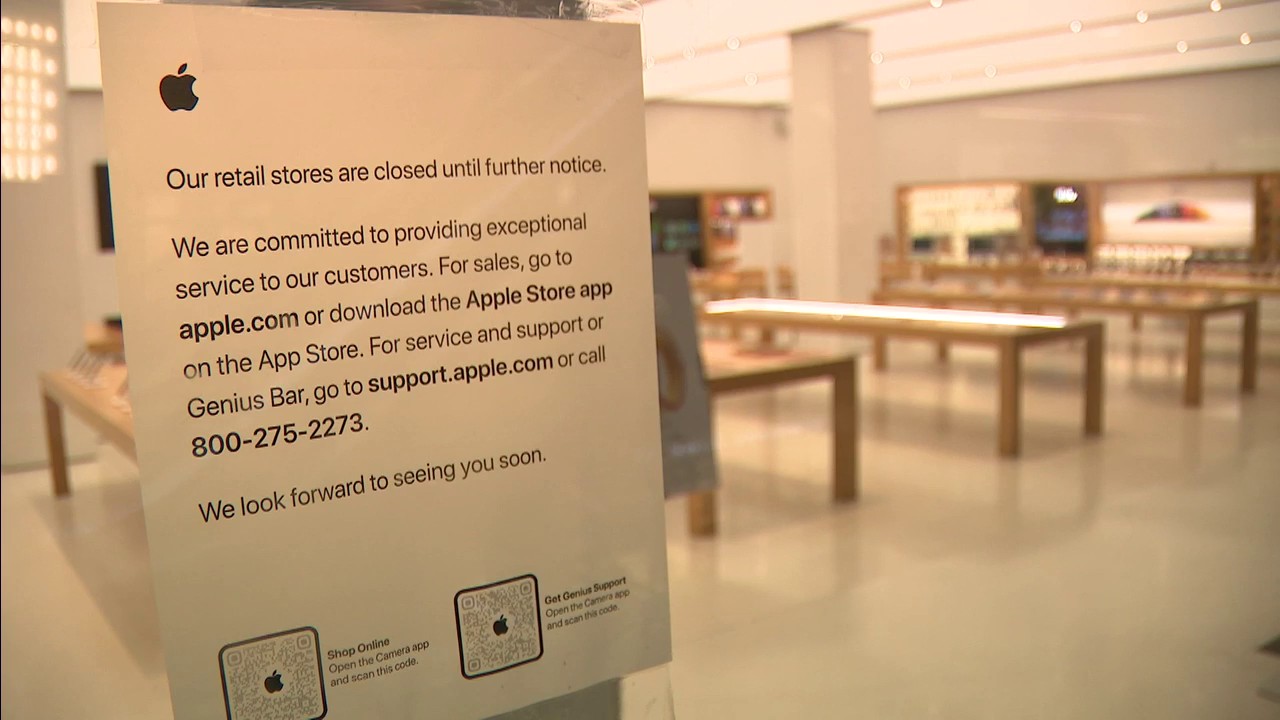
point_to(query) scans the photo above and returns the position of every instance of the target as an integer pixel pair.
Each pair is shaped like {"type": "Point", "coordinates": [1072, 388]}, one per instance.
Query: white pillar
{"type": "Point", "coordinates": [832, 165]}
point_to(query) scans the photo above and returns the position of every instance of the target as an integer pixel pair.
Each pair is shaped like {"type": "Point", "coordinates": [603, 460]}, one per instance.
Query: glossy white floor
{"type": "Point", "coordinates": [1131, 576]}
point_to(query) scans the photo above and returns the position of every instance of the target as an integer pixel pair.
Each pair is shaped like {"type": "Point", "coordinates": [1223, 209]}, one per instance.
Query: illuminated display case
{"type": "Point", "coordinates": [1225, 224]}
{"type": "Point", "coordinates": [1185, 225]}
{"type": "Point", "coordinates": [962, 223]}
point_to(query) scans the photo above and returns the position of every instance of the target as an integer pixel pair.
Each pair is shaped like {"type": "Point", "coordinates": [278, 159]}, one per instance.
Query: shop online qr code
{"type": "Point", "coordinates": [498, 626]}
{"type": "Point", "coordinates": [274, 677]}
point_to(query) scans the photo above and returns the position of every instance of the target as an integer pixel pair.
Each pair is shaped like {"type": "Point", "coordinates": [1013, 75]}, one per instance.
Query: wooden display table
{"type": "Point", "coordinates": [1191, 284]}
{"type": "Point", "coordinates": [1009, 334]}
{"type": "Point", "coordinates": [728, 371]}
{"type": "Point", "coordinates": [1193, 312]}
{"type": "Point", "coordinates": [95, 405]}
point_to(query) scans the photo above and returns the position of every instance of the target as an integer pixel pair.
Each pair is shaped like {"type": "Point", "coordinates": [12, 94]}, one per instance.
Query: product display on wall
{"type": "Point", "coordinates": [327, 341]}
{"type": "Point", "coordinates": [675, 226]}
{"type": "Point", "coordinates": [705, 224]}
{"type": "Point", "coordinates": [1061, 218]}
{"type": "Point", "coordinates": [1221, 225]}
{"type": "Point", "coordinates": [959, 223]}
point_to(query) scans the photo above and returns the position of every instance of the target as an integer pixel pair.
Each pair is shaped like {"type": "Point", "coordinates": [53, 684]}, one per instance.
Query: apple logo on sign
{"type": "Point", "coordinates": [273, 683]}
{"type": "Point", "coordinates": [176, 92]}
{"type": "Point", "coordinates": [500, 626]}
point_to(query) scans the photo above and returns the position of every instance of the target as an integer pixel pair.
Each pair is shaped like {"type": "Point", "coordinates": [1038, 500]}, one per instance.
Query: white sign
{"type": "Point", "coordinates": [388, 310]}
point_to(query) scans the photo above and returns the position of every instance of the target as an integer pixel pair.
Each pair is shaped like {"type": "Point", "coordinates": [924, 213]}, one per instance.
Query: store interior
{"type": "Point", "coordinates": [983, 544]}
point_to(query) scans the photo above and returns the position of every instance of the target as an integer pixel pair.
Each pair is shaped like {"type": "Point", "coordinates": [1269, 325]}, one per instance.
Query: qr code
{"type": "Point", "coordinates": [274, 677]}
{"type": "Point", "coordinates": [498, 626]}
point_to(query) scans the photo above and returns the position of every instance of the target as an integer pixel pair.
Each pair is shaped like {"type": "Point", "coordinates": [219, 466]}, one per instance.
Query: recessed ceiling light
{"type": "Point", "coordinates": [733, 43]}
{"type": "Point", "coordinates": [990, 71]}
{"type": "Point", "coordinates": [1215, 6]}
{"type": "Point", "coordinates": [1076, 26]}
{"type": "Point", "coordinates": [690, 53]}
{"type": "Point", "coordinates": [936, 3]}
{"type": "Point", "coordinates": [904, 83]}
{"type": "Point", "coordinates": [1142, 16]}
{"type": "Point", "coordinates": [648, 62]}
{"type": "Point", "coordinates": [1182, 46]}
{"type": "Point", "coordinates": [877, 57]}
{"type": "Point", "coordinates": [1245, 39]}
{"type": "Point", "coordinates": [751, 79]}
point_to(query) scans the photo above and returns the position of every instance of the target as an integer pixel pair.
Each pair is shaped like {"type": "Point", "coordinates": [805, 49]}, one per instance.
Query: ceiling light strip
{"type": "Point", "coordinates": [689, 94]}
{"type": "Point", "coordinates": [1054, 30]}
{"type": "Point", "coordinates": [746, 40]}
{"type": "Point", "coordinates": [1217, 43]}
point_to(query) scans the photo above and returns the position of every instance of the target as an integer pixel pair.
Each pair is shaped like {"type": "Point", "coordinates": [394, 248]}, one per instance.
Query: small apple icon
{"type": "Point", "coordinates": [176, 92]}
{"type": "Point", "coordinates": [273, 683]}
{"type": "Point", "coordinates": [500, 626]}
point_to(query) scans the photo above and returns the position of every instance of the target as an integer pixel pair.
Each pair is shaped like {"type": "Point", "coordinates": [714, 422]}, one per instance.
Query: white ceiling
{"type": "Point", "coordinates": [938, 53]}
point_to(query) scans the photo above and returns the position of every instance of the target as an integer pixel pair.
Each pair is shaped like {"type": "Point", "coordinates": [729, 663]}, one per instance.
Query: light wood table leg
{"type": "Point", "coordinates": [702, 513]}
{"type": "Point", "coordinates": [1249, 349]}
{"type": "Point", "coordinates": [944, 347]}
{"type": "Point", "coordinates": [1010, 421]}
{"type": "Point", "coordinates": [1094, 382]}
{"type": "Point", "coordinates": [844, 433]}
{"type": "Point", "coordinates": [1193, 385]}
{"type": "Point", "coordinates": [768, 337]}
{"type": "Point", "coordinates": [1135, 321]}
{"type": "Point", "coordinates": [57, 446]}
{"type": "Point", "coordinates": [880, 352]}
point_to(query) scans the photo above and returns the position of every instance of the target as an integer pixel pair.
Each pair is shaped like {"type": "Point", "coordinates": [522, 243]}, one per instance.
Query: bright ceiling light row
{"type": "Point", "coordinates": [23, 30]}
{"type": "Point", "coordinates": [28, 121]}
{"type": "Point", "coordinates": [990, 71]}
{"type": "Point", "coordinates": [1075, 27]}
